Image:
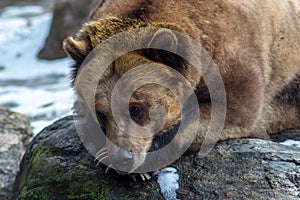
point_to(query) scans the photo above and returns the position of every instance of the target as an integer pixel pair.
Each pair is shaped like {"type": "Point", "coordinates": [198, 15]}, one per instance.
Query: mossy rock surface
{"type": "Point", "coordinates": [57, 166]}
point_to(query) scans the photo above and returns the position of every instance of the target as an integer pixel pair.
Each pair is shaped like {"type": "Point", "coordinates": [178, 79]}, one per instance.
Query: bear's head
{"type": "Point", "coordinates": [127, 146]}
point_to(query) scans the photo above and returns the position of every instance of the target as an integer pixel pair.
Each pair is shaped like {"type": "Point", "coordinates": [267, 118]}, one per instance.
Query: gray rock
{"type": "Point", "coordinates": [57, 166]}
{"type": "Point", "coordinates": [244, 169]}
{"type": "Point", "coordinates": [15, 132]}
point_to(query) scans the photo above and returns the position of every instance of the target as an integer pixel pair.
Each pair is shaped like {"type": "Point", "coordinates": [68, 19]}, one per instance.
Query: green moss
{"type": "Point", "coordinates": [36, 164]}
{"type": "Point", "coordinates": [44, 178]}
{"type": "Point", "coordinates": [30, 187]}
{"type": "Point", "coordinates": [87, 189]}
{"type": "Point", "coordinates": [37, 193]}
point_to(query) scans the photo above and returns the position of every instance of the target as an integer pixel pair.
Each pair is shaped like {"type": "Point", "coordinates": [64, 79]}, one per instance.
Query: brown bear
{"type": "Point", "coordinates": [255, 45]}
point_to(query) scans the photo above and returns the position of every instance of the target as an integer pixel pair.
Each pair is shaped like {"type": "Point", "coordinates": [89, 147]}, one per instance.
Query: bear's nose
{"type": "Point", "coordinates": [122, 160]}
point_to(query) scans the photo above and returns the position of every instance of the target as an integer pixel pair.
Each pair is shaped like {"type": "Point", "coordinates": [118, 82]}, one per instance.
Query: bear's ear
{"type": "Point", "coordinates": [77, 49]}
{"type": "Point", "coordinates": [173, 49]}
{"type": "Point", "coordinates": [164, 47]}
{"type": "Point", "coordinates": [164, 39]}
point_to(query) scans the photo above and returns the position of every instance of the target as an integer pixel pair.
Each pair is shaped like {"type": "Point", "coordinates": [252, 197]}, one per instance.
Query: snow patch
{"type": "Point", "coordinates": [21, 38]}
{"type": "Point", "coordinates": [168, 181]}
{"type": "Point", "coordinates": [291, 143]}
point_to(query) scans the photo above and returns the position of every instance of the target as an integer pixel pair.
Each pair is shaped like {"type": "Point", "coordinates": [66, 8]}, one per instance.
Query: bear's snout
{"type": "Point", "coordinates": [122, 160]}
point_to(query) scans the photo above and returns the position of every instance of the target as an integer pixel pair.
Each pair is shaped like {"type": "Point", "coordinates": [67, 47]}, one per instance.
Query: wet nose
{"type": "Point", "coordinates": [122, 160]}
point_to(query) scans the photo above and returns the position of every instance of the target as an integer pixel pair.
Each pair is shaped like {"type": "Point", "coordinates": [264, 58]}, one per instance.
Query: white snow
{"type": "Point", "coordinates": [168, 181]}
{"type": "Point", "coordinates": [291, 143]}
{"type": "Point", "coordinates": [40, 89]}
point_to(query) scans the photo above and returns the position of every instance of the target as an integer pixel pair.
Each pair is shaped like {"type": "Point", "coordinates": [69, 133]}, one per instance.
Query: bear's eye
{"type": "Point", "coordinates": [136, 113]}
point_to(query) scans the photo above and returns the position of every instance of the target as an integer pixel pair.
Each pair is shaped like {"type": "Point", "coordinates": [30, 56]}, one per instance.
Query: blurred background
{"type": "Point", "coordinates": [34, 70]}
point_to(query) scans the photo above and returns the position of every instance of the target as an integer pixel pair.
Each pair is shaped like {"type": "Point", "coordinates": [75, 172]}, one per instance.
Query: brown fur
{"type": "Point", "coordinates": [255, 44]}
